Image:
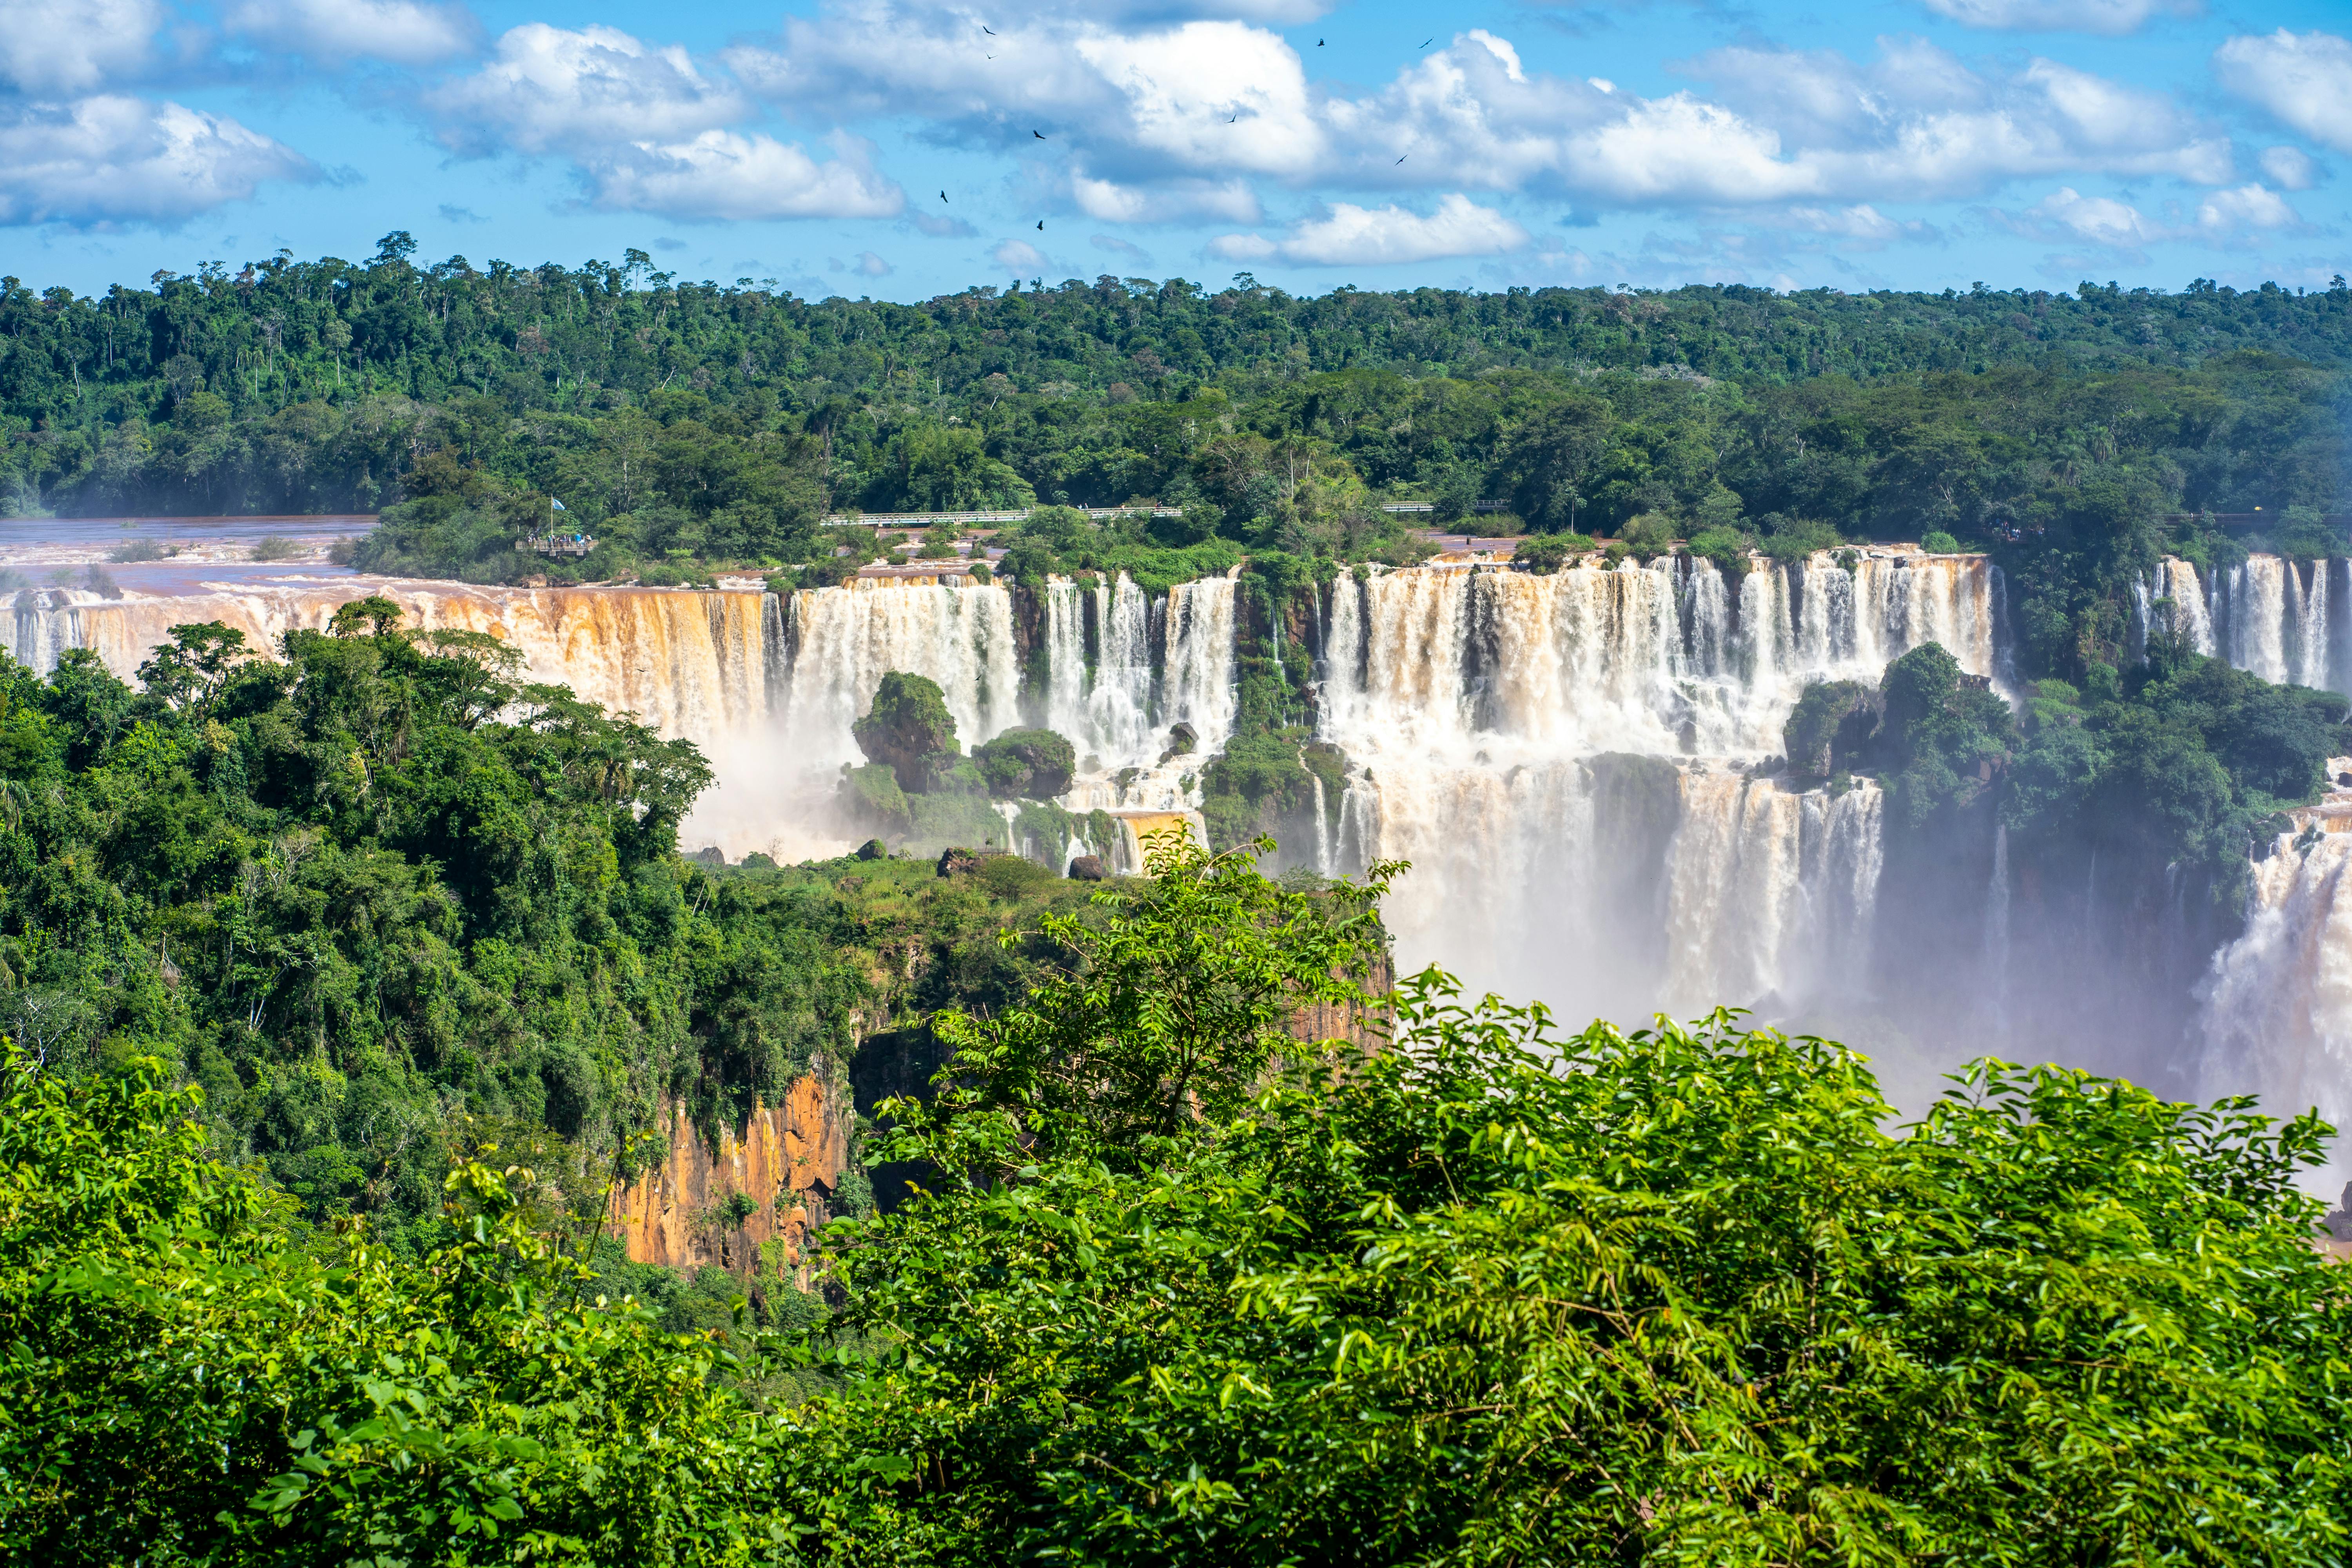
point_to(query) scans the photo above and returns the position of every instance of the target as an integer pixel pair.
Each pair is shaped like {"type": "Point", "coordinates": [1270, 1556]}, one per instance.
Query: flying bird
{"type": "Point", "coordinates": [1237, 114]}
{"type": "Point", "coordinates": [990, 31]}
{"type": "Point", "coordinates": [1040, 226]}
{"type": "Point", "coordinates": [1401, 160]}
{"type": "Point", "coordinates": [943, 195]}
{"type": "Point", "coordinates": [1039, 135]}
{"type": "Point", "coordinates": [1429, 40]}
{"type": "Point", "coordinates": [1319, 43]}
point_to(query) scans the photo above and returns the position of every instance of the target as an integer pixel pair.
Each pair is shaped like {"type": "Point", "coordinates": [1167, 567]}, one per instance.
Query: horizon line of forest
{"type": "Point", "coordinates": [692, 426]}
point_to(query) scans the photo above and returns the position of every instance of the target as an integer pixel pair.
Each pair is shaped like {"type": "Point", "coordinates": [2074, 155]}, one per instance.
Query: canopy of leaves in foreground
{"type": "Point", "coordinates": [1493, 1296]}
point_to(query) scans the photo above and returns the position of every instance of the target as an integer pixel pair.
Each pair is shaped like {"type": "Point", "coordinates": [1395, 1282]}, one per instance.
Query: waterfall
{"type": "Point", "coordinates": [1769, 890]}
{"type": "Point", "coordinates": [1323, 867]}
{"type": "Point", "coordinates": [1118, 709]}
{"type": "Point", "coordinates": [1562, 759]}
{"type": "Point", "coordinates": [2268, 614]}
{"type": "Point", "coordinates": [2311, 659]}
{"type": "Point", "coordinates": [2275, 1006]}
{"type": "Point", "coordinates": [1066, 662]}
{"type": "Point", "coordinates": [2186, 614]}
{"type": "Point", "coordinates": [691, 664]}
{"type": "Point", "coordinates": [2256, 615]}
{"type": "Point", "coordinates": [1103, 705]}
{"type": "Point", "coordinates": [848, 637]}
{"type": "Point", "coordinates": [1198, 664]}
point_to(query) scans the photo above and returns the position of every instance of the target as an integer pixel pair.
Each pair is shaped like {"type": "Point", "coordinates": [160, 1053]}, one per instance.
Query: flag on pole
{"type": "Point", "coordinates": [557, 504]}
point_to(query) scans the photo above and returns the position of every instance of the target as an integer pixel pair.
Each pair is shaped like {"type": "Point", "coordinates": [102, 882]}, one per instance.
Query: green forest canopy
{"type": "Point", "coordinates": [694, 424]}
{"type": "Point", "coordinates": [1184, 1289]}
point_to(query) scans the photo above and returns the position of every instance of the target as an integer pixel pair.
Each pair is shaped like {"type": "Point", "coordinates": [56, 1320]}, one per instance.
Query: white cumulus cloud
{"type": "Point", "coordinates": [1020, 256]}
{"type": "Point", "coordinates": [73, 46]}
{"type": "Point", "coordinates": [2103, 221]}
{"type": "Point", "coordinates": [2227, 214]}
{"type": "Point", "coordinates": [108, 160]}
{"type": "Point", "coordinates": [2290, 168]}
{"type": "Point", "coordinates": [553, 90]}
{"type": "Point", "coordinates": [650, 131]}
{"type": "Point", "coordinates": [732, 175]}
{"type": "Point", "coordinates": [404, 32]}
{"type": "Point", "coordinates": [1150, 121]}
{"type": "Point", "coordinates": [2305, 80]}
{"type": "Point", "coordinates": [2230, 217]}
{"type": "Point", "coordinates": [1349, 236]}
{"type": "Point", "coordinates": [1231, 201]}
{"type": "Point", "coordinates": [2108, 17]}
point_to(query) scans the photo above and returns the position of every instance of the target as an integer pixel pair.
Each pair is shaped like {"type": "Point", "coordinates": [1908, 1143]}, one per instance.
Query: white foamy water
{"type": "Point", "coordinates": [2281, 619]}
{"type": "Point", "coordinates": [1499, 723]}
{"type": "Point", "coordinates": [2275, 1007]}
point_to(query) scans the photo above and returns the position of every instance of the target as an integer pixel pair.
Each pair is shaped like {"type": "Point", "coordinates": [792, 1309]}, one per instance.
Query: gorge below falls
{"type": "Point", "coordinates": [1580, 767]}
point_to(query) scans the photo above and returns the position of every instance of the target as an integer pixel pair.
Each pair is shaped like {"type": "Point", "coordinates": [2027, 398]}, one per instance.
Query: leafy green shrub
{"type": "Point", "coordinates": [1650, 535]}
{"type": "Point", "coordinates": [1725, 547]}
{"type": "Point", "coordinates": [1547, 553]}
{"type": "Point", "coordinates": [2304, 534]}
{"type": "Point", "coordinates": [1937, 542]}
{"type": "Point", "coordinates": [1794, 538]}
{"type": "Point", "coordinates": [1830, 728]}
{"type": "Point", "coordinates": [195, 1377]}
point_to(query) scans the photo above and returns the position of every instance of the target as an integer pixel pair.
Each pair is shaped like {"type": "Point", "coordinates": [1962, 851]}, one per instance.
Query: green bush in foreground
{"type": "Point", "coordinates": [1187, 1290]}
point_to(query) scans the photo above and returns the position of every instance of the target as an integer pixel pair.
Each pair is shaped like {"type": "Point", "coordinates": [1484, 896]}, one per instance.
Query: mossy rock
{"type": "Point", "coordinates": [1027, 764]}
{"type": "Point", "coordinates": [908, 729]}
{"type": "Point", "coordinates": [1830, 728]}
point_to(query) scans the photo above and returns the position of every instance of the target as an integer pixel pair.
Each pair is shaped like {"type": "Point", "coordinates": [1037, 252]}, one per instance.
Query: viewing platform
{"type": "Point", "coordinates": [574, 544]}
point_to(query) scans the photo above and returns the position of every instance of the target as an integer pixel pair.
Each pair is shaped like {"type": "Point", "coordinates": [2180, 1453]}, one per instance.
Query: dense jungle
{"type": "Point", "coordinates": [687, 426]}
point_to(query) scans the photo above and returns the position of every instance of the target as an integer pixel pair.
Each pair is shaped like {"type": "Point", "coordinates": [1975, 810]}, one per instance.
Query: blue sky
{"type": "Point", "coordinates": [905, 148]}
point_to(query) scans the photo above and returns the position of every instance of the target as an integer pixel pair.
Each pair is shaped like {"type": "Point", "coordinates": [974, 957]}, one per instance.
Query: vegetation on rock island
{"type": "Point", "coordinates": [1180, 1286]}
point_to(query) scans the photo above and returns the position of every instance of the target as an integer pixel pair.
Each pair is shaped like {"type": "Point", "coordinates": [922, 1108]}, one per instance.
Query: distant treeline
{"type": "Point", "coordinates": [689, 424]}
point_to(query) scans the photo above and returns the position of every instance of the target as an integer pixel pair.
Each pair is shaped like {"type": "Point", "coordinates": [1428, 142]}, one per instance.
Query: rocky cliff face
{"type": "Point", "coordinates": [1365, 1026]}
{"type": "Point", "coordinates": [787, 1162]}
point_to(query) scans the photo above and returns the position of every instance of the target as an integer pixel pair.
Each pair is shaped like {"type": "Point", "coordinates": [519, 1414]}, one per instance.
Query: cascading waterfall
{"type": "Point", "coordinates": [1769, 890]}
{"type": "Point", "coordinates": [846, 638]}
{"type": "Point", "coordinates": [2276, 618]}
{"type": "Point", "coordinates": [1199, 662]}
{"type": "Point", "coordinates": [2275, 1006]}
{"type": "Point", "coordinates": [1103, 704]}
{"type": "Point", "coordinates": [691, 664]}
{"type": "Point", "coordinates": [2259, 609]}
{"type": "Point", "coordinates": [1562, 758]}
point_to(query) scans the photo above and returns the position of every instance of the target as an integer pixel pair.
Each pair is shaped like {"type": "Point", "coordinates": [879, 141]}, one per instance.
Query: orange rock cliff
{"type": "Point", "coordinates": [787, 1159]}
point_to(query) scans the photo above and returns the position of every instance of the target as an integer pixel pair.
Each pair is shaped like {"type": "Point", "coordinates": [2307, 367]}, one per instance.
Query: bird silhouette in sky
{"type": "Point", "coordinates": [990, 31]}
{"type": "Point", "coordinates": [1429, 40]}
{"type": "Point", "coordinates": [1401, 160]}
{"type": "Point", "coordinates": [1040, 226]}
{"type": "Point", "coordinates": [1319, 43]}
{"type": "Point", "coordinates": [943, 195]}
{"type": "Point", "coordinates": [1039, 135]}
{"type": "Point", "coordinates": [1237, 114]}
